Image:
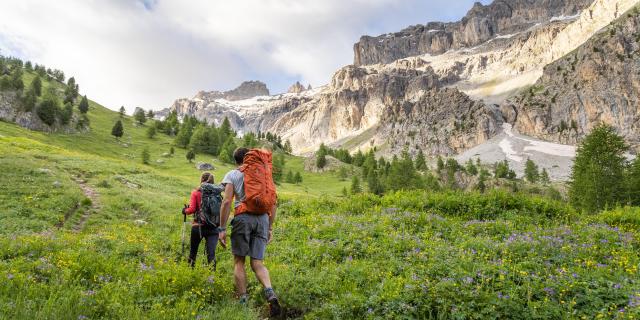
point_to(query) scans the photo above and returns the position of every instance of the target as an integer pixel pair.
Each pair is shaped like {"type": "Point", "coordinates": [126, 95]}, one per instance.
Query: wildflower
{"type": "Point", "coordinates": [349, 258]}
{"type": "Point", "coordinates": [81, 317]}
{"type": "Point", "coordinates": [145, 267]}
{"type": "Point", "coordinates": [89, 293]}
{"type": "Point", "coordinates": [617, 286]}
{"type": "Point", "coordinates": [549, 291]}
{"type": "Point", "coordinates": [467, 280]}
{"type": "Point", "coordinates": [10, 276]}
{"type": "Point", "coordinates": [634, 301]}
{"type": "Point", "coordinates": [210, 279]}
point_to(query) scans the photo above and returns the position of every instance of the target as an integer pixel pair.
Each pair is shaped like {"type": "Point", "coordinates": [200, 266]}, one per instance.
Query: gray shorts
{"type": "Point", "coordinates": [249, 235]}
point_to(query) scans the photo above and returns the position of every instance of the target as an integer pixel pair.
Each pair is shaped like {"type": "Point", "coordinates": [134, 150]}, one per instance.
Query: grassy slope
{"type": "Point", "coordinates": [405, 255]}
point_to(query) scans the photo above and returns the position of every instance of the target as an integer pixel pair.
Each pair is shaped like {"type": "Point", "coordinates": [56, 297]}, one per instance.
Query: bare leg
{"type": "Point", "coordinates": [240, 275]}
{"type": "Point", "coordinates": [261, 273]}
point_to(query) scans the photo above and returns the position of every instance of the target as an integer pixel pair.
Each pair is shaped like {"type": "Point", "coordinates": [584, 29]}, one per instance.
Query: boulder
{"type": "Point", "coordinates": [57, 184]}
{"type": "Point", "coordinates": [202, 166]}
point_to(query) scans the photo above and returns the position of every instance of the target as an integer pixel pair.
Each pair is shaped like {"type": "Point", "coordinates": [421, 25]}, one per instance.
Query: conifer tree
{"type": "Point", "coordinates": [289, 178]}
{"type": "Point", "coordinates": [172, 150]}
{"type": "Point", "coordinates": [440, 163]}
{"type": "Point", "coordinates": [373, 183]}
{"type": "Point", "coordinates": [544, 177]}
{"type": "Point", "coordinates": [482, 180]}
{"type": "Point", "coordinates": [184, 135]}
{"type": "Point", "coordinates": [84, 105]}
{"type": "Point", "coordinates": [287, 147]}
{"type": "Point", "coordinates": [358, 158]}
{"type": "Point", "coordinates": [122, 111]}
{"type": "Point", "coordinates": [29, 100]}
{"type": "Point", "coordinates": [117, 130]}
{"type": "Point", "coordinates": [140, 116]}
{"type": "Point", "coordinates": [344, 192]}
{"type": "Point", "coordinates": [633, 182]}
{"type": "Point", "coordinates": [471, 168]}
{"type": "Point", "coordinates": [145, 156]}
{"type": "Point", "coordinates": [342, 173]}
{"type": "Point", "coordinates": [225, 129]}
{"type": "Point", "coordinates": [297, 178]}
{"type": "Point", "coordinates": [421, 162]}
{"type": "Point", "coordinates": [531, 171]}
{"type": "Point", "coordinates": [321, 157]}
{"type": "Point", "coordinates": [191, 155]}
{"type": "Point", "coordinates": [36, 85]}
{"type": "Point", "coordinates": [199, 141]}
{"type": "Point", "coordinates": [278, 167]}
{"type": "Point", "coordinates": [66, 114]}
{"type": "Point", "coordinates": [48, 109]}
{"type": "Point", "coordinates": [355, 185]}
{"type": "Point", "coordinates": [150, 114]}
{"type": "Point", "coordinates": [151, 132]}
{"type": "Point", "coordinates": [598, 171]}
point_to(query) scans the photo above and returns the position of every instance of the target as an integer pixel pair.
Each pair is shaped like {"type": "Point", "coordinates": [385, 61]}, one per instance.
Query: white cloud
{"type": "Point", "coordinates": [147, 53]}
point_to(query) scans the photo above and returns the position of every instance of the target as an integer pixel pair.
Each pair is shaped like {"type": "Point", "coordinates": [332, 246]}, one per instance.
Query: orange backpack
{"type": "Point", "coordinates": [259, 189]}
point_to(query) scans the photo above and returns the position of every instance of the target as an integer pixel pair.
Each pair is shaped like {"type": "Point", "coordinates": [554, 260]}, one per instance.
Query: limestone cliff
{"type": "Point", "coordinates": [598, 82]}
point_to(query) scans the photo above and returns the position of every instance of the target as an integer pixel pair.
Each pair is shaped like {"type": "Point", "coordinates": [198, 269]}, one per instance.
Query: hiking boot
{"type": "Point", "coordinates": [244, 299]}
{"type": "Point", "coordinates": [274, 305]}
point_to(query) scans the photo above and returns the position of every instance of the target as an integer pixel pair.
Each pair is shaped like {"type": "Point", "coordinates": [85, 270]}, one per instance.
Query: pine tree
{"type": "Point", "coordinates": [48, 109]}
{"type": "Point", "coordinates": [117, 130]}
{"type": "Point", "coordinates": [225, 156]}
{"type": "Point", "coordinates": [452, 167]}
{"type": "Point", "coordinates": [355, 185]}
{"type": "Point", "coordinates": [226, 153]}
{"type": "Point", "coordinates": [16, 80]}
{"type": "Point", "coordinates": [633, 182]}
{"type": "Point", "coordinates": [342, 173]}
{"type": "Point", "coordinates": [140, 116]}
{"type": "Point", "coordinates": [200, 141]}
{"type": "Point", "coordinates": [440, 164]}
{"type": "Point", "coordinates": [145, 156]}
{"type": "Point", "coordinates": [598, 171]}
{"type": "Point", "coordinates": [544, 177]}
{"type": "Point", "coordinates": [482, 180]}
{"type": "Point", "coordinates": [225, 129]}
{"type": "Point", "coordinates": [150, 114]}
{"type": "Point", "coordinates": [172, 150]}
{"type": "Point", "coordinates": [373, 183]}
{"type": "Point", "coordinates": [122, 111]}
{"type": "Point", "coordinates": [358, 158]}
{"type": "Point", "coordinates": [36, 85]}
{"type": "Point", "coordinates": [151, 132]}
{"type": "Point", "coordinates": [321, 157]}
{"type": "Point", "coordinates": [287, 147]}
{"type": "Point", "coordinates": [190, 155]}
{"type": "Point", "coordinates": [84, 105]}
{"type": "Point", "coordinates": [501, 170]}
{"type": "Point", "coordinates": [184, 135]}
{"type": "Point", "coordinates": [29, 100]}
{"type": "Point", "coordinates": [421, 162]}
{"type": "Point", "coordinates": [471, 168]}
{"type": "Point", "coordinates": [289, 178]}
{"type": "Point", "coordinates": [278, 167]}
{"type": "Point", "coordinates": [345, 193]}
{"type": "Point", "coordinates": [297, 178]}
{"type": "Point", "coordinates": [66, 114]}
{"type": "Point", "coordinates": [531, 171]}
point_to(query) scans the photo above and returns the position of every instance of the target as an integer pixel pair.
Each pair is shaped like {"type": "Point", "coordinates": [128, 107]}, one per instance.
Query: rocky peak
{"type": "Point", "coordinates": [296, 88]}
{"type": "Point", "coordinates": [481, 24]}
{"type": "Point", "coordinates": [246, 90]}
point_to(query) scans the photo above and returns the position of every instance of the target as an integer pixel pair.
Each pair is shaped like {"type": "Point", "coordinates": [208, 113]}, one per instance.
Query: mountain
{"type": "Point", "coordinates": [481, 24]}
{"type": "Point", "coordinates": [598, 82]}
{"type": "Point", "coordinates": [443, 88]}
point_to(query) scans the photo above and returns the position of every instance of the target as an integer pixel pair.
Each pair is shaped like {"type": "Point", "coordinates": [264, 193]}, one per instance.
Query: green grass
{"type": "Point", "coordinates": [404, 255]}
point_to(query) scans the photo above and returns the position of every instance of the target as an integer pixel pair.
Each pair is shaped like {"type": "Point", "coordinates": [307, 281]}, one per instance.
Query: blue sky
{"type": "Point", "coordinates": [147, 53]}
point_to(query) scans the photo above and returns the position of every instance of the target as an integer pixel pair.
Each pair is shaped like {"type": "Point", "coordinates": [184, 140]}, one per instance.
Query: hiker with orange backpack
{"type": "Point", "coordinates": [251, 186]}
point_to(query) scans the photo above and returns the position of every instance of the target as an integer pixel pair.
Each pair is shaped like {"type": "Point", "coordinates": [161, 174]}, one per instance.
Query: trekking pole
{"type": "Point", "coordinates": [184, 222]}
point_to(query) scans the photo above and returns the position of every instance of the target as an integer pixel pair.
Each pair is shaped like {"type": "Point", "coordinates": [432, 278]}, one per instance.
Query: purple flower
{"type": "Point", "coordinates": [81, 317]}
{"type": "Point", "coordinates": [600, 265]}
{"type": "Point", "coordinates": [575, 275]}
{"type": "Point", "coordinates": [10, 276]}
{"type": "Point", "coordinates": [210, 279]}
{"type": "Point", "coordinates": [89, 293]}
{"type": "Point", "coordinates": [617, 286]}
{"type": "Point", "coordinates": [634, 301]}
{"type": "Point", "coordinates": [105, 278]}
{"type": "Point", "coordinates": [467, 280]}
{"type": "Point", "coordinates": [604, 241]}
{"type": "Point", "coordinates": [549, 291]}
{"type": "Point", "coordinates": [145, 267]}
{"type": "Point", "coordinates": [349, 258]}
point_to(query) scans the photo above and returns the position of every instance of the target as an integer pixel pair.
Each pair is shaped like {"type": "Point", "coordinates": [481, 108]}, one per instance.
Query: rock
{"type": "Point", "coordinates": [132, 185]}
{"type": "Point", "coordinates": [479, 25]}
{"type": "Point", "coordinates": [160, 161]}
{"type": "Point", "coordinates": [57, 184]}
{"type": "Point", "coordinates": [509, 113]}
{"type": "Point", "coordinates": [332, 164]}
{"type": "Point", "coordinates": [202, 166]}
{"type": "Point", "coordinates": [139, 222]}
{"type": "Point", "coordinates": [296, 88]}
{"type": "Point", "coordinates": [166, 155]}
{"type": "Point", "coordinates": [246, 90]}
{"type": "Point", "coordinates": [597, 83]}
{"type": "Point", "coordinates": [45, 171]}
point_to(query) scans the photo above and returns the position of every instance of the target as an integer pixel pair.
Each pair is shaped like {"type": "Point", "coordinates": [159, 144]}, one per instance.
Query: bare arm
{"type": "Point", "coordinates": [225, 206]}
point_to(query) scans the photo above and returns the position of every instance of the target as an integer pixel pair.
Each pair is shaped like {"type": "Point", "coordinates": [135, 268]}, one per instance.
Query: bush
{"type": "Point", "coordinates": [47, 110]}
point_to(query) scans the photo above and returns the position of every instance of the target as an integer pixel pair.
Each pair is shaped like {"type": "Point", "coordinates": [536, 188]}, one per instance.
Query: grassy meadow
{"type": "Point", "coordinates": [115, 253]}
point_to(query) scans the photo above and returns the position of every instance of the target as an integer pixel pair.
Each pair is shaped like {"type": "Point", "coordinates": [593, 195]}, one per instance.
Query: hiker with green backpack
{"type": "Point", "coordinates": [204, 205]}
{"type": "Point", "coordinates": [251, 184]}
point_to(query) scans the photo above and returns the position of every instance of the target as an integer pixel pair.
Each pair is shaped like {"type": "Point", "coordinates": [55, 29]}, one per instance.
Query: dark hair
{"type": "Point", "coordinates": [239, 154]}
{"type": "Point", "coordinates": [206, 177]}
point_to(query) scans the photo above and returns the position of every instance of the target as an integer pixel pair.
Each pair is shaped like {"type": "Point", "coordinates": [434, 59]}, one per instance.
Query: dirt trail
{"type": "Point", "coordinates": [90, 193]}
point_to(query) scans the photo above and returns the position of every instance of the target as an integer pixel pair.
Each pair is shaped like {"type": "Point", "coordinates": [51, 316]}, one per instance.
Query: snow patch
{"type": "Point", "coordinates": [564, 18]}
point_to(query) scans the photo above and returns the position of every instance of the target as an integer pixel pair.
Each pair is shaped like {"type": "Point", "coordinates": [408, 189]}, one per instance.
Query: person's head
{"type": "Point", "coordinates": [239, 154]}
{"type": "Point", "coordinates": [206, 177]}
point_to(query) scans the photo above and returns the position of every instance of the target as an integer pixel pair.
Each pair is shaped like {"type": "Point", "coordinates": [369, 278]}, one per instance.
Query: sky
{"type": "Point", "coordinates": [147, 53]}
